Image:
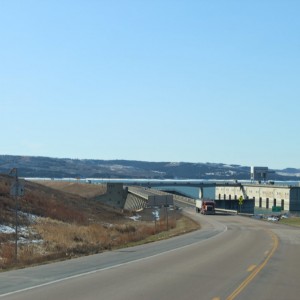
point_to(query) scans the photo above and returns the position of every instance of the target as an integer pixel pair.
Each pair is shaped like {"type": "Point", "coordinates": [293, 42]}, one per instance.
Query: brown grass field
{"type": "Point", "coordinates": [65, 223]}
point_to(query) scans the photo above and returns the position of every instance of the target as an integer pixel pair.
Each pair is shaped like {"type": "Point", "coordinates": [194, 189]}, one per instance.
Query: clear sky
{"type": "Point", "coordinates": [154, 80]}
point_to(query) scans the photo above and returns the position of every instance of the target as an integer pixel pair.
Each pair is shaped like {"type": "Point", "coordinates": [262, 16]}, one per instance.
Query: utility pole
{"type": "Point", "coordinates": [16, 191]}
{"type": "Point", "coordinates": [166, 211]}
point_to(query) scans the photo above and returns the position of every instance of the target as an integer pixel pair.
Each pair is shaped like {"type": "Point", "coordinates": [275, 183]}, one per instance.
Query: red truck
{"type": "Point", "coordinates": [206, 207]}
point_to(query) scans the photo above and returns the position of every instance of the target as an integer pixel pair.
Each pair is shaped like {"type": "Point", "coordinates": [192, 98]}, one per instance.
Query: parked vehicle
{"type": "Point", "coordinates": [206, 207]}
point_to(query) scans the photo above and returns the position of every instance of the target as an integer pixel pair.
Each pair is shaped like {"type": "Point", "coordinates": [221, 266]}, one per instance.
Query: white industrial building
{"type": "Point", "coordinates": [265, 196]}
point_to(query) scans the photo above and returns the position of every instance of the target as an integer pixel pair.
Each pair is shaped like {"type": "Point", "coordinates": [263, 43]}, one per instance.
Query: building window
{"type": "Point", "coordinates": [274, 202]}
{"type": "Point", "coordinates": [282, 204]}
{"type": "Point", "coordinates": [260, 201]}
{"type": "Point", "coordinates": [267, 203]}
{"type": "Point", "coordinates": [219, 196]}
{"type": "Point", "coordinates": [224, 196]}
{"type": "Point", "coordinates": [229, 197]}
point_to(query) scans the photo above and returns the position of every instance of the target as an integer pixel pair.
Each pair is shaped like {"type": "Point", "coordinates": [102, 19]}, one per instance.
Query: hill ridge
{"type": "Point", "coordinates": [40, 166]}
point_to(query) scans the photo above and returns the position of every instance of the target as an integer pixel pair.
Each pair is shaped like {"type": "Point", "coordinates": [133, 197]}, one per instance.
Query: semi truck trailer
{"type": "Point", "coordinates": [206, 207]}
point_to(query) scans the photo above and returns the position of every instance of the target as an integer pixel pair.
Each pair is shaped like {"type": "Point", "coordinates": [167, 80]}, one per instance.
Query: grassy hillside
{"type": "Point", "coordinates": [83, 190]}
{"type": "Point", "coordinates": [60, 220]}
{"type": "Point", "coordinates": [45, 201]}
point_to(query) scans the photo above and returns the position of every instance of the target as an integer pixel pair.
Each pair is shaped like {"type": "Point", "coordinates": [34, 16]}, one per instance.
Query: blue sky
{"type": "Point", "coordinates": [193, 81]}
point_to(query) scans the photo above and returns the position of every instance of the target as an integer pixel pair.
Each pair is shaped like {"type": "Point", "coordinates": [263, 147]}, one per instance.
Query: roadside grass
{"type": "Point", "coordinates": [62, 240]}
{"type": "Point", "coordinates": [183, 225]}
{"type": "Point", "coordinates": [293, 221]}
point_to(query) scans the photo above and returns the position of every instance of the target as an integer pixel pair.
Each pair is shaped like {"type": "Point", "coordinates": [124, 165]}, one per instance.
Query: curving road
{"type": "Point", "coordinates": [231, 257]}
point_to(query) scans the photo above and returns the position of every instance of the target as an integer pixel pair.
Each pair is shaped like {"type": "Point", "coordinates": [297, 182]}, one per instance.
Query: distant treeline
{"type": "Point", "coordinates": [32, 166]}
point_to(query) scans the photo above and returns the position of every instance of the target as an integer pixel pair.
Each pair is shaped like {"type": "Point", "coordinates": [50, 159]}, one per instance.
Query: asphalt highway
{"type": "Point", "coordinates": [231, 257]}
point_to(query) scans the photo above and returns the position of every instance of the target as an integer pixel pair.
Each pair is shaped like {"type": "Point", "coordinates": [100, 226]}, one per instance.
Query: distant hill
{"type": "Point", "coordinates": [32, 166]}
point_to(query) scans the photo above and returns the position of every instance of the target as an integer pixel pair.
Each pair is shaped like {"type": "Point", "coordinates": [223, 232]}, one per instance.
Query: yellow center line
{"type": "Point", "coordinates": [256, 270]}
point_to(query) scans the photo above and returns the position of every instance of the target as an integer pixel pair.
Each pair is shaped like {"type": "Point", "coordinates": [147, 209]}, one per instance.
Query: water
{"type": "Point", "coordinates": [191, 192]}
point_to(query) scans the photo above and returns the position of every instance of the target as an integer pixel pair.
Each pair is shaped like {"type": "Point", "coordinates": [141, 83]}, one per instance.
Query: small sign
{"type": "Point", "coordinates": [17, 190]}
{"type": "Point", "coordinates": [276, 208]}
{"type": "Point", "coordinates": [160, 200]}
{"type": "Point", "coordinates": [241, 200]}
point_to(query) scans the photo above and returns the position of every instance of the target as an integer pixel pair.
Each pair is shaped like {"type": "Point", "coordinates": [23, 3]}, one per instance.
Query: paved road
{"type": "Point", "coordinates": [232, 257]}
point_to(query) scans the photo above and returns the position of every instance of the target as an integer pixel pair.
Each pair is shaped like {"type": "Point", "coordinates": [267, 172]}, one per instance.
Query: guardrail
{"type": "Point", "coordinates": [227, 211]}
{"type": "Point", "coordinates": [185, 200]}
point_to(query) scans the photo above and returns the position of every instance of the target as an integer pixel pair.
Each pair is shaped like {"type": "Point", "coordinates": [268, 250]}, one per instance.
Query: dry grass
{"type": "Point", "coordinates": [82, 189]}
{"type": "Point", "coordinates": [70, 225]}
{"type": "Point", "coordinates": [54, 203]}
{"type": "Point", "coordinates": [182, 225]}
{"type": "Point", "coordinates": [64, 240]}
{"type": "Point", "coordinates": [71, 239]}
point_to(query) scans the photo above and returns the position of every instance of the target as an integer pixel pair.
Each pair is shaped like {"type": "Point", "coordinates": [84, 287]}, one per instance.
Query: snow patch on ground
{"type": "Point", "coordinates": [135, 218]}
{"type": "Point", "coordinates": [24, 232]}
{"type": "Point", "coordinates": [7, 229]}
